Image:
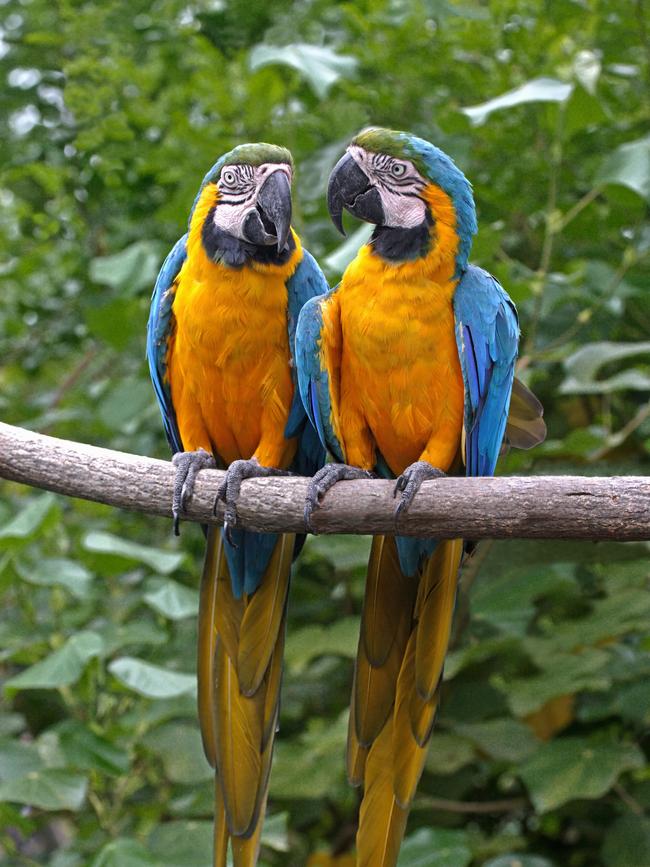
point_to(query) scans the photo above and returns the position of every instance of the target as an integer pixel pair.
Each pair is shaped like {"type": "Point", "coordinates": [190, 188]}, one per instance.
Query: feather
{"type": "Point", "coordinates": [355, 754]}
{"type": "Point", "coordinates": [434, 615]}
{"type": "Point", "coordinates": [206, 641]}
{"type": "Point", "coordinates": [261, 621]}
{"type": "Point", "coordinates": [220, 858]}
{"type": "Point", "coordinates": [409, 753]}
{"type": "Point", "coordinates": [383, 602]}
{"type": "Point", "coordinates": [273, 684]}
{"type": "Point", "coordinates": [238, 741]}
{"type": "Point", "coordinates": [228, 610]}
{"type": "Point", "coordinates": [525, 427]}
{"type": "Point", "coordinates": [374, 685]}
{"type": "Point", "coordinates": [382, 821]}
{"type": "Point", "coordinates": [245, 850]}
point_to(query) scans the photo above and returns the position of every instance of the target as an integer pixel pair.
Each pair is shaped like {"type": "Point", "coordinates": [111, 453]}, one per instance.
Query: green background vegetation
{"type": "Point", "coordinates": [111, 113]}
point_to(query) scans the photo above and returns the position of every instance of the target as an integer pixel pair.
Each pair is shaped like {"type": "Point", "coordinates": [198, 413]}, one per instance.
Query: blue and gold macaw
{"type": "Point", "coordinates": [406, 370]}
{"type": "Point", "coordinates": [221, 354]}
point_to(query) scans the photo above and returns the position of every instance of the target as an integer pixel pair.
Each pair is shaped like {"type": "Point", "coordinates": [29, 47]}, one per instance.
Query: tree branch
{"type": "Point", "coordinates": [542, 507]}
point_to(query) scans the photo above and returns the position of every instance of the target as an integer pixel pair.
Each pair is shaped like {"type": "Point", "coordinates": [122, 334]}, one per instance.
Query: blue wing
{"type": "Point", "coordinates": [487, 335]}
{"type": "Point", "coordinates": [159, 329]}
{"type": "Point", "coordinates": [315, 381]}
{"type": "Point", "coordinates": [306, 283]}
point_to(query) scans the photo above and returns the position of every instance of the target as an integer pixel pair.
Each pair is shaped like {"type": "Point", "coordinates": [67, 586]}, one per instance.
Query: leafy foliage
{"type": "Point", "coordinates": [110, 115]}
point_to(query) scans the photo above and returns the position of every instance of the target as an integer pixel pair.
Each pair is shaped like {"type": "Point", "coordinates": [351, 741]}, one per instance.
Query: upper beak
{"type": "Point", "coordinates": [350, 188]}
{"type": "Point", "coordinates": [274, 206]}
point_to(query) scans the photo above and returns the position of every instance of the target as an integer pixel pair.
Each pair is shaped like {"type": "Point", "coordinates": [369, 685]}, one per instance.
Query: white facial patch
{"type": "Point", "coordinates": [239, 186]}
{"type": "Point", "coordinates": [399, 185]}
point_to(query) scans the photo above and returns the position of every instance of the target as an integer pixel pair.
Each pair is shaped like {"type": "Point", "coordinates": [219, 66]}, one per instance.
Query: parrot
{"type": "Point", "coordinates": [406, 370]}
{"type": "Point", "coordinates": [220, 347]}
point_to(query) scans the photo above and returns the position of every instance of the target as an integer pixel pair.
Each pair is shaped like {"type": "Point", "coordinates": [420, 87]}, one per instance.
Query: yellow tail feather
{"type": "Point", "coordinates": [382, 821]}
{"type": "Point", "coordinates": [404, 690]}
{"type": "Point", "coordinates": [241, 643]}
{"type": "Point", "coordinates": [261, 621]}
{"type": "Point", "coordinates": [435, 612]}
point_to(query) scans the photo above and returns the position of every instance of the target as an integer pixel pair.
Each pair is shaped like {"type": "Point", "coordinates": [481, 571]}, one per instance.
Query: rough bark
{"type": "Point", "coordinates": [543, 507]}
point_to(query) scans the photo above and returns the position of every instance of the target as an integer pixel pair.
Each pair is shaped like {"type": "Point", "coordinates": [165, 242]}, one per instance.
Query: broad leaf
{"type": "Point", "coordinates": [63, 667]}
{"type": "Point", "coordinates": [339, 639]}
{"type": "Point", "coordinates": [628, 842]}
{"type": "Point", "coordinates": [130, 270]}
{"type": "Point", "coordinates": [340, 258]}
{"type": "Point", "coordinates": [537, 90]}
{"type": "Point", "coordinates": [436, 847]}
{"type": "Point", "coordinates": [123, 853]}
{"type": "Point", "coordinates": [582, 369]}
{"type": "Point", "coordinates": [179, 747]}
{"type": "Point", "coordinates": [47, 789]}
{"type": "Point", "coordinates": [321, 67]}
{"type": "Point", "coordinates": [629, 165]}
{"type": "Point", "coordinates": [570, 768]}
{"type": "Point", "coordinates": [25, 524]}
{"type": "Point", "coordinates": [51, 571]}
{"type": "Point", "coordinates": [172, 599]}
{"type": "Point", "coordinates": [106, 543]}
{"type": "Point", "coordinates": [151, 680]}
{"type": "Point", "coordinates": [506, 740]}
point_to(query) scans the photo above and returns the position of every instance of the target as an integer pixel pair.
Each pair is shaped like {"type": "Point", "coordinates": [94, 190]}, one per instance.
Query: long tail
{"type": "Point", "coordinates": [405, 629]}
{"type": "Point", "coordinates": [239, 666]}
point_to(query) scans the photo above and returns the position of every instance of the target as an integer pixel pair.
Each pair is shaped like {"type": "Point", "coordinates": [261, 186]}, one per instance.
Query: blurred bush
{"type": "Point", "coordinates": [111, 113]}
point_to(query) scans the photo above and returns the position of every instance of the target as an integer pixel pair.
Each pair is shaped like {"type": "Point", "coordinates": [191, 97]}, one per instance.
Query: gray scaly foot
{"type": "Point", "coordinates": [188, 465]}
{"type": "Point", "coordinates": [408, 484]}
{"type": "Point", "coordinates": [325, 479]}
{"type": "Point", "coordinates": [230, 488]}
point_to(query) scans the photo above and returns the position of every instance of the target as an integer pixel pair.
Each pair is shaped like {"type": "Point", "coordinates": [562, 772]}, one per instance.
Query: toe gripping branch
{"type": "Point", "coordinates": [325, 479]}
{"type": "Point", "coordinates": [230, 489]}
{"type": "Point", "coordinates": [408, 484]}
{"type": "Point", "coordinates": [188, 465]}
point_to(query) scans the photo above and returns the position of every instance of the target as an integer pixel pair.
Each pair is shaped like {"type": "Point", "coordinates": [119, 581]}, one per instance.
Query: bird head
{"type": "Point", "coordinates": [249, 194]}
{"type": "Point", "coordinates": [409, 189]}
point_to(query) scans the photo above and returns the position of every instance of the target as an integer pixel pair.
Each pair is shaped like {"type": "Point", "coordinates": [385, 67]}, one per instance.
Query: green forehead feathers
{"type": "Point", "coordinates": [389, 141]}
{"type": "Point", "coordinates": [257, 154]}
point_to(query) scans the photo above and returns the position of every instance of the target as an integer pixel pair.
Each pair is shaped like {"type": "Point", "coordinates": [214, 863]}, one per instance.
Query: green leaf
{"type": "Point", "coordinates": [172, 599]}
{"type": "Point", "coordinates": [506, 740]}
{"type": "Point", "coordinates": [123, 852]}
{"type": "Point", "coordinates": [17, 759]}
{"type": "Point", "coordinates": [338, 639]}
{"type": "Point", "coordinates": [150, 680]}
{"type": "Point", "coordinates": [583, 365]}
{"type": "Point", "coordinates": [84, 750]}
{"type": "Point", "coordinates": [29, 519]}
{"type": "Point", "coordinates": [517, 860]}
{"type": "Point", "coordinates": [130, 270]}
{"type": "Point", "coordinates": [321, 67]}
{"type": "Point", "coordinates": [345, 552]}
{"type": "Point", "coordinates": [179, 747]}
{"type": "Point", "coordinates": [570, 768]}
{"type": "Point", "coordinates": [275, 833]}
{"type": "Point", "coordinates": [186, 843]}
{"type": "Point", "coordinates": [436, 847]}
{"type": "Point", "coordinates": [627, 842]}
{"type": "Point", "coordinates": [537, 90]}
{"type": "Point", "coordinates": [63, 667]}
{"type": "Point", "coordinates": [563, 674]}
{"type": "Point", "coordinates": [310, 765]}
{"type": "Point", "coordinates": [124, 403]}
{"type": "Point", "coordinates": [107, 543]}
{"type": "Point", "coordinates": [47, 789]}
{"type": "Point", "coordinates": [629, 166]}
{"type": "Point", "coordinates": [448, 753]}
{"type": "Point", "coordinates": [116, 321]}
{"type": "Point", "coordinates": [57, 571]}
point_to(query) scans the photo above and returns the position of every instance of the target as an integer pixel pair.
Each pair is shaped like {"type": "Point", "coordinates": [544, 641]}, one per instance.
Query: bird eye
{"type": "Point", "coordinates": [398, 170]}
{"type": "Point", "coordinates": [229, 177]}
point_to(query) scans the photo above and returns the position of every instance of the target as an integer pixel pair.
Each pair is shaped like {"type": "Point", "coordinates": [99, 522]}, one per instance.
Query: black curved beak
{"type": "Point", "coordinates": [350, 187]}
{"type": "Point", "coordinates": [274, 206]}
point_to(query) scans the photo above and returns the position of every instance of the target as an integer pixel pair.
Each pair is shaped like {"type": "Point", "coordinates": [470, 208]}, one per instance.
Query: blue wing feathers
{"type": "Point", "coordinates": [159, 329]}
{"type": "Point", "coordinates": [487, 333]}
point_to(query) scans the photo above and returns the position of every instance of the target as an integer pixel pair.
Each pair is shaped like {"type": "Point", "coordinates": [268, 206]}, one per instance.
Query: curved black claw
{"type": "Point", "coordinates": [408, 484]}
{"type": "Point", "coordinates": [325, 479]}
{"type": "Point", "coordinates": [230, 488]}
{"type": "Point", "coordinates": [188, 465]}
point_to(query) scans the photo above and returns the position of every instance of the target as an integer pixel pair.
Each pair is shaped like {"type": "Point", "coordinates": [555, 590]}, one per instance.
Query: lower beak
{"type": "Point", "coordinates": [270, 222]}
{"type": "Point", "coordinates": [350, 188]}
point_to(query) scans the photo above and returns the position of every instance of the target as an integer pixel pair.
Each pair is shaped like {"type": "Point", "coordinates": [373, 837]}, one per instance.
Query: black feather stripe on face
{"type": "Point", "coordinates": [235, 253]}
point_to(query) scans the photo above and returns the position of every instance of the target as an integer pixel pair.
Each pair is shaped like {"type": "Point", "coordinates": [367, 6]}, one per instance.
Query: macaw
{"type": "Point", "coordinates": [220, 346]}
{"type": "Point", "coordinates": [406, 370]}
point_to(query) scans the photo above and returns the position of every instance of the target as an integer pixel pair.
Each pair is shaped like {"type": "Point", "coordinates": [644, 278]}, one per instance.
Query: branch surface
{"type": "Point", "coordinates": [542, 507]}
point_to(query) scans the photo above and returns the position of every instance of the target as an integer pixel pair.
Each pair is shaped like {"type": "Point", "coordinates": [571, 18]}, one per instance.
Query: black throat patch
{"type": "Point", "coordinates": [403, 245]}
{"type": "Point", "coordinates": [235, 253]}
